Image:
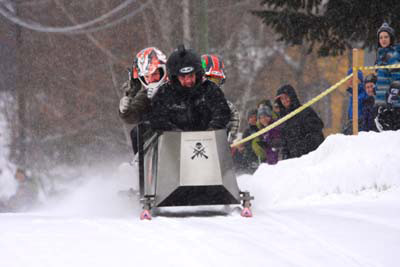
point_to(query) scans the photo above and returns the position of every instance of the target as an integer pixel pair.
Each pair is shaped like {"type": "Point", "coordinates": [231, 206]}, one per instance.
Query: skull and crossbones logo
{"type": "Point", "coordinates": [199, 151]}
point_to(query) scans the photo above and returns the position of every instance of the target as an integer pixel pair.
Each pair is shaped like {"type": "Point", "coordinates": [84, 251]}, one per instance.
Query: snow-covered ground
{"type": "Point", "coordinates": [337, 206]}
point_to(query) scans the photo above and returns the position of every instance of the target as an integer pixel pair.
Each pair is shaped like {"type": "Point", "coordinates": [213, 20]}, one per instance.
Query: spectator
{"type": "Point", "coordinates": [302, 133]}
{"type": "Point", "coordinates": [388, 81]}
{"type": "Point", "coordinates": [361, 93]}
{"type": "Point", "coordinates": [250, 156]}
{"type": "Point", "coordinates": [389, 117]}
{"type": "Point", "coordinates": [242, 162]}
{"type": "Point", "coordinates": [388, 53]}
{"type": "Point", "coordinates": [252, 121]}
{"type": "Point", "coordinates": [27, 193]}
{"type": "Point", "coordinates": [187, 102]}
{"type": "Point", "coordinates": [266, 146]}
{"type": "Point", "coordinates": [267, 102]}
{"type": "Point", "coordinates": [361, 97]}
{"type": "Point", "coordinates": [277, 109]}
{"type": "Point", "coordinates": [368, 109]}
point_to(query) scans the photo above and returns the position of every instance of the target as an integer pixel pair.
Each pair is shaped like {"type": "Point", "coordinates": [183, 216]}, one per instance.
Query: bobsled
{"type": "Point", "coordinates": [188, 169]}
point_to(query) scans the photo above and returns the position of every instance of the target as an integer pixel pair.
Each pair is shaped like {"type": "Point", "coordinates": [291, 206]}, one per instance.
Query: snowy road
{"type": "Point", "coordinates": [311, 211]}
{"type": "Point", "coordinates": [364, 233]}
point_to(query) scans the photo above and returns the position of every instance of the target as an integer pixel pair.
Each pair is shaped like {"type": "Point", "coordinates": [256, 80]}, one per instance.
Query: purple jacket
{"type": "Point", "coordinates": [269, 144]}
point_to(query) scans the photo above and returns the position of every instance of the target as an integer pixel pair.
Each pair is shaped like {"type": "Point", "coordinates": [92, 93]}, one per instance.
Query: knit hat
{"type": "Point", "coordinates": [360, 74]}
{"type": "Point", "coordinates": [251, 112]}
{"type": "Point", "coordinates": [370, 78]}
{"type": "Point", "coordinates": [264, 102]}
{"type": "Point", "coordinates": [264, 110]}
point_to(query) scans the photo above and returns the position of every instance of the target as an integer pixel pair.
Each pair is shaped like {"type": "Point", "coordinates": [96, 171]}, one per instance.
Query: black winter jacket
{"type": "Point", "coordinates": [302, 133]}
{"type": "Point", "coordinates": [201, 108]}
{"type": "Point", "coordinates": [369, 112]}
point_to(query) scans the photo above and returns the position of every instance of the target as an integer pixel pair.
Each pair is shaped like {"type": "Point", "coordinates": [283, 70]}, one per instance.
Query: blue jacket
{"type": "Point", "coordinates": [386, 56]}
{"type": "Point", "coordinates": [362, 95]}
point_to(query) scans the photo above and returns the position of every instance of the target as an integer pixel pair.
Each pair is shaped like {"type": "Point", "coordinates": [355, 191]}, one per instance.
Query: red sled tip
{"type": "Point", "coordinates": [145, 215]}
{"type": "Point", "coordinates": [246, 212]}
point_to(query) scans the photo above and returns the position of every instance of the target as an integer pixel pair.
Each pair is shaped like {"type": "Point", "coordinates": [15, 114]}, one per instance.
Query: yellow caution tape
{"type": "Point", "coordinates": [394, 66]}
{"type": "Point", "coordinates": [309, 103]}
{"type": "Point", "coordinates": [294, 112]}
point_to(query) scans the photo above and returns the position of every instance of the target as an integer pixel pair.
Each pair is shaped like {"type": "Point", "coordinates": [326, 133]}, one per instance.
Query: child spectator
{"type": "Point", "coordinates": [361, 96]}
{"type": "Point", "coordinates": [252, 121]}
{"type": "Point", "coordinates": [267, 103]}
{"type": "Point", "coordinates": [266, 146]}
{"type": "Point", "coordinates": [368, 109]}
{"type": "Point", "coordinates": [388, 81]}
{"type": "Point", "coordinates": [250, 156]}
{"type": "Point", "coordinates": [388, 53]}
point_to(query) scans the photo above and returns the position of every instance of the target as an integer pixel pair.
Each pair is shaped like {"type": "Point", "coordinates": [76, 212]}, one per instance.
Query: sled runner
{"type": "Point", "coordinates": [188, 169]}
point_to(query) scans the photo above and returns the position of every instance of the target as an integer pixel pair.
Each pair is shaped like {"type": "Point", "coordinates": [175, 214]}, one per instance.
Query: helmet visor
{"type": "Point", "coordinates": [217, 81]}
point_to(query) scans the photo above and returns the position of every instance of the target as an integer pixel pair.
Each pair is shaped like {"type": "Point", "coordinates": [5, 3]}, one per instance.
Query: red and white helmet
{"type": "Point", "coordinates": [213, 67]}
{"type": "Point", "coordinates": [146, 62]}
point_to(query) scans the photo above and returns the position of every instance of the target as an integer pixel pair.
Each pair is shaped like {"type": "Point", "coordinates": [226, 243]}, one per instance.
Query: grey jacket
{"type": "Point", "coordinates": [139, 107]}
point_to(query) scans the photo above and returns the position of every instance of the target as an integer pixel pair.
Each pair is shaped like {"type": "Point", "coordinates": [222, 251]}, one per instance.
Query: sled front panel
{"type": "Point", "coordinates": [192, 163]}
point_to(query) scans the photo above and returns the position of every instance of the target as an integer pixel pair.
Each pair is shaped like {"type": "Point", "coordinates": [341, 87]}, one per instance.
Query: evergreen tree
{"type": "Point", "coordinates": [331, 26]}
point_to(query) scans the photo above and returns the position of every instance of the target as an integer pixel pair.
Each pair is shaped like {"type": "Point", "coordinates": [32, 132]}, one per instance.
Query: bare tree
{"type": "Point", "coordinates": [67, 83]}
{"type": "Point", "coordinates": [187, 39]}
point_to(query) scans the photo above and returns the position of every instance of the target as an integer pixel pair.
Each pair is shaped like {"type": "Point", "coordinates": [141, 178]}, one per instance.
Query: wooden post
{"type": "Point", "coordinates": [355, 91]}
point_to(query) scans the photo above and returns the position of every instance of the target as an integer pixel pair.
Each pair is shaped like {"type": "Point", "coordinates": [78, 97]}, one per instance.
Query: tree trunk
{"type": "Point", "coordinates": [186, 23]}
{"type": "Point", "coordinates": [20, 98]}
{"type": "Point", "coordinates": [299, 74]}
{"type": "Point", "coordinates": [203, 26]}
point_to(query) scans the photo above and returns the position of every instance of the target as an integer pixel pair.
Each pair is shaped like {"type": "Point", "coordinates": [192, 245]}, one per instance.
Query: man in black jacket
{"type": "Point", "coordinates": [302, 133]}
{"type": "Point", "coordinates": [188, 102]}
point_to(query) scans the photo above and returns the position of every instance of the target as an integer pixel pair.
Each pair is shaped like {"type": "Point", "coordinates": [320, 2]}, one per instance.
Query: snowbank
{"type": "Point", "coordinates": [341, 165]}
